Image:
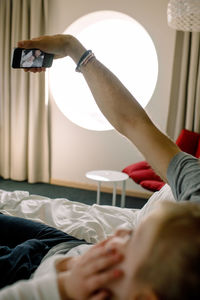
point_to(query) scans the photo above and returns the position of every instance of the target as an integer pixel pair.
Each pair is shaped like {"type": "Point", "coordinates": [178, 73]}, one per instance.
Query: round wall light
{"type": "Point", "coordinates": [121, 44]}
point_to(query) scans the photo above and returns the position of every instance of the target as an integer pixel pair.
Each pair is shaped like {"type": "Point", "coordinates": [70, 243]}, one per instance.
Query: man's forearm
{"type": "Point", "coordinates": [112, 97]}
{"type": "Point", "coordinates": [126, 115]}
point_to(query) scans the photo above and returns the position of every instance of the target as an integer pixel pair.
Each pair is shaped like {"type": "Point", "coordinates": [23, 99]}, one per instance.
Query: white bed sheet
{"type": "Point", "coordinates": [92, 223]}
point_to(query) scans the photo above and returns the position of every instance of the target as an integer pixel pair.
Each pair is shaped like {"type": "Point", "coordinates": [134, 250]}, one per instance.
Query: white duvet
{"type": "Point", "coordinates": [92, 223]}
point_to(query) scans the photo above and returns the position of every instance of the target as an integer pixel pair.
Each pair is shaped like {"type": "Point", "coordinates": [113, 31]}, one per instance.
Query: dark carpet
{"type": "Point", "coordinates": [73, 194]}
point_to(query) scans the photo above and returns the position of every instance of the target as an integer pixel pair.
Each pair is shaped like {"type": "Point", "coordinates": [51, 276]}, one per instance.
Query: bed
{"type": "Point", "coordinates": [92, 223]}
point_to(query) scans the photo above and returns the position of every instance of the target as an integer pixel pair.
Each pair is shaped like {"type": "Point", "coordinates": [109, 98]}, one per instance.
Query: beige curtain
{"type": "Point", "coordinates": [184, 111]}
{"type": "Point", "coordinates": [24, 144]}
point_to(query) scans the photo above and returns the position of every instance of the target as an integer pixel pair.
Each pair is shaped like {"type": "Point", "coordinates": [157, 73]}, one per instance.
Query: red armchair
{"type": "Point", "coordinates": [143, 174]}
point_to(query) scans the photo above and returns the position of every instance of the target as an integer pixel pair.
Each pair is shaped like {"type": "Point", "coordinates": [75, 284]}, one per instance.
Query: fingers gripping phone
{"type": "Point", "coordinates": [31, 58]}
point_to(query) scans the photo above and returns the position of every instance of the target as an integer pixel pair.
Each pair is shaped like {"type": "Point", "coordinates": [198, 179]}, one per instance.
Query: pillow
{"type": "Point", "coordinates": [137, 166]}
{"type": "Point", "coordinates": [188, 141]}
{"type": "Point", "coordinates": [197, 154]}
{"type": "Point", "coordinates": [152, 185]}
{"type": "Point", "coordinates": [146, 174]}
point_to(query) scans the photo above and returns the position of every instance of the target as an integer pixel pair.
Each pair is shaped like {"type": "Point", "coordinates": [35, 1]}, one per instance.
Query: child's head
{"type": "Point", "coordinates": [162, 258]}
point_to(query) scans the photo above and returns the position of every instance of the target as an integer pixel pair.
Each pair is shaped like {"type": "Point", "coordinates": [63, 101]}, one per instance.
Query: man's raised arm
{"type": "Point", "coordinates": [115, 101]}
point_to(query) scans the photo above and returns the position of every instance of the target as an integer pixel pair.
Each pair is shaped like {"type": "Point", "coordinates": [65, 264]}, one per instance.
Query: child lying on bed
{"type": "Point", "coordinates": [161, 258]}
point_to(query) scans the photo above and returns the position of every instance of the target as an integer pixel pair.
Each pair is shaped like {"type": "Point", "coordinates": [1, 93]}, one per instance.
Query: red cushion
{"type": "Point", "coordinates": [152, 185]}
{"type": "Point", "coordinates": [142, 173]}
{"type": "Point", "coordinates": [197, 154]}
{"type": "Point", "coordinates": [147, 174]}
{"type": "Point", "coordinates": [137, 166]}
{"type": "Point", "coordinates": [188, 141]}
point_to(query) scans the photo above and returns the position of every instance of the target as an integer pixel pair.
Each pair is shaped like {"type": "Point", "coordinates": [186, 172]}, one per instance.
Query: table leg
{"type": "Point", "coordinates": [114, 194]}
{"type": "Point", "coordinates": [123, 194]}
{"type": "Point", "coordinates": [98, 192]}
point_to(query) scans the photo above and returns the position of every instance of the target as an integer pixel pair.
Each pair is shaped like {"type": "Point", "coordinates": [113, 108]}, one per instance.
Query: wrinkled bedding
{"type": "Point", "coordinates": [92, 223]}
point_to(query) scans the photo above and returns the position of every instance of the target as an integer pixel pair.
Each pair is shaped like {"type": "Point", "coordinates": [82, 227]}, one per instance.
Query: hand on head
{"type": "Point", "coordinates": [88, 274]}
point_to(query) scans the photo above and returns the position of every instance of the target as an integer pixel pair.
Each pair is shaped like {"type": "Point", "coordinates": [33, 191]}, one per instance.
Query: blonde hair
{"type": "Point", "coordinates": [172, 266]}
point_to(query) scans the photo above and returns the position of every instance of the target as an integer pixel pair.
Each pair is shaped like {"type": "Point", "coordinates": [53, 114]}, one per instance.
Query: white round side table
{"type": "Point", "coordinates": [109, 176]}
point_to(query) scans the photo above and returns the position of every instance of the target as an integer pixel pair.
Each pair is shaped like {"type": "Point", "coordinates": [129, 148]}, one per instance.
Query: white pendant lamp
{"type": "Point", "coordinates": [184, 15]}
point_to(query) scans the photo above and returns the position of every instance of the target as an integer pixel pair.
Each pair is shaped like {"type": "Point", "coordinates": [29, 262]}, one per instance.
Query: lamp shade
{"type": "Point", "coordinates": [184, 15]}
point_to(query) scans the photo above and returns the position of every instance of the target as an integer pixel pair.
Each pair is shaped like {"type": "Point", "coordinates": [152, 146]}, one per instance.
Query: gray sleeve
{"type": "Point", "coordinates": [35, 289]}
{"type": "Point", "coordinates": [183, 176]}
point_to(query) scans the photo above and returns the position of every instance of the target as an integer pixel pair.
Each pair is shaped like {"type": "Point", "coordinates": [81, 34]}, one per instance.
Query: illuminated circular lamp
{"type": "Point", "coordinates": [122, 45]}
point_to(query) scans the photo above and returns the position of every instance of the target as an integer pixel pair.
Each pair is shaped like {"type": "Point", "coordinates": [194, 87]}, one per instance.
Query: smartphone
{"type": "Point", "coordinates": [31, 58]}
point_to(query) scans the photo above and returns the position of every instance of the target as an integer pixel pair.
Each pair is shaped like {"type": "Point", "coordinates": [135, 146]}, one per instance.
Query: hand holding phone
{"type": "Point", "coordinates": [31, 58]}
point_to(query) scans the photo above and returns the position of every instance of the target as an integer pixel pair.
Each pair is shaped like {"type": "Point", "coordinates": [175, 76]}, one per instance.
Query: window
{"type": "Point", "coordinates": [120, 43]}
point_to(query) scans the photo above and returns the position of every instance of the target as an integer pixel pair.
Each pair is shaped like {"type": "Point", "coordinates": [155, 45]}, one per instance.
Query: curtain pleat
{"type": "Point", "coordinates": [24, 145]}
{"type": "Point", "coordinates": [185, 96]}
{"type": "Point", "coordinates": [192, 82]}
{"type": "Point", "coordinates": [5, 28]}
{"type": "Point", "coordinates": [181, 108]}
{"type": "Point", "coordinates": [197, 104]}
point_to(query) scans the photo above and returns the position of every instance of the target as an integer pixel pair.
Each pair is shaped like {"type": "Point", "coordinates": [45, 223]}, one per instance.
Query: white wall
{"type": "Point", "coordinates": [75, 150]}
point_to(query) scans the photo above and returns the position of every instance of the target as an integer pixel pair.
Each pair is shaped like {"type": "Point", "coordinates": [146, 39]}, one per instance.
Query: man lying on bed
{"type": "Point", "coordinates": [161, 259]}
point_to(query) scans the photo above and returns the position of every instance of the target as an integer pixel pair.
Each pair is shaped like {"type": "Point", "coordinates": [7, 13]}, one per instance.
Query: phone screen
{"type": "Point", "coordinates": [31, 58]}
